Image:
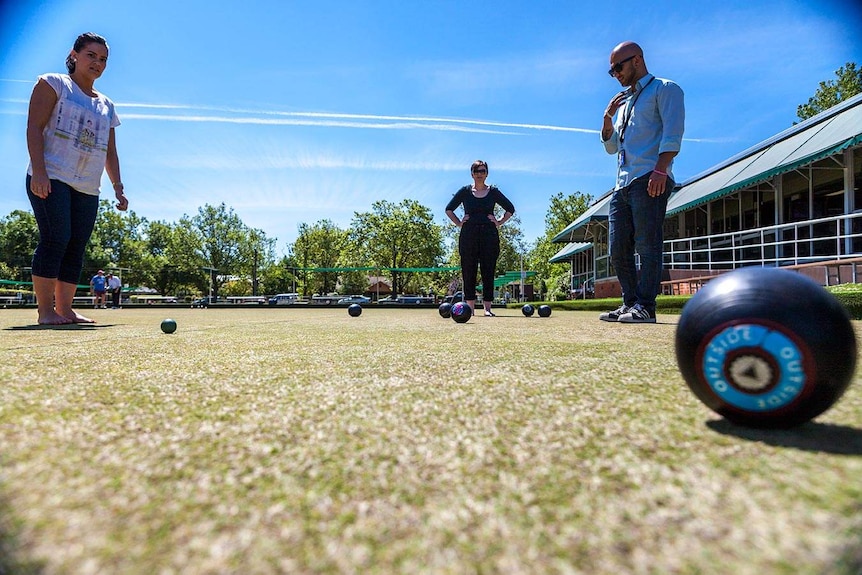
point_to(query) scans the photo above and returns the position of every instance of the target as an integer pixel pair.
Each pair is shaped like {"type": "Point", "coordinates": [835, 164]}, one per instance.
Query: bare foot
{"type": "Point", "coordinates": [75, 317]}
{"type": "Point", "coordinates": [54, 319]}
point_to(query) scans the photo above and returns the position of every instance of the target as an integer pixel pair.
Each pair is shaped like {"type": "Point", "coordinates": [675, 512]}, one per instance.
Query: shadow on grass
{"type": "Point", "coordinates": [67, 327]}
{"type": "Point", "coordinates": [12, 560]}
{"type": "Point", "coordinates": [850, 562]}
{"type": "Point", "coordinates": [811, 436]}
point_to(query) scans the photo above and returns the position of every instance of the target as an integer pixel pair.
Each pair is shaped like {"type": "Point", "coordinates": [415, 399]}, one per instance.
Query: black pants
{"type": "Point", "coordinates": [115, 297]}
{"type": "Point", "coordinates": [479, 247]}
{"type": "Point", "coordinates": [65, 220]}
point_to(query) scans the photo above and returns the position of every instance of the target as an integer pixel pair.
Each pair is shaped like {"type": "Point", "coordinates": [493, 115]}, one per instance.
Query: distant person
{"type": "Point", "coordinates": [115, 286]}
{"type": "Point", "coordinates": [479, 241]}
{"type": "Point", "coordinates": [645, 137]}
{"type": "Point", "coordinates": [453, 286]}
{"type": "Point", "coordinates": [70, 137]}
{"type": "Point", "coordinates": [98, 286]}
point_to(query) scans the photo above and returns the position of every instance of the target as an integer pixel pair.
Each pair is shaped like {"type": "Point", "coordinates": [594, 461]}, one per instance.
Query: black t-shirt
{"type": "Point", "coordinates": [479, 208]}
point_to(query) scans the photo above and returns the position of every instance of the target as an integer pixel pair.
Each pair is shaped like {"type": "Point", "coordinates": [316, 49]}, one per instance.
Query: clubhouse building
{"type": "Point", "coordinates": [793, 201]}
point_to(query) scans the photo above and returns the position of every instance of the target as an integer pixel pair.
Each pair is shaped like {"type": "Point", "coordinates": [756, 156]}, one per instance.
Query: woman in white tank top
{"type": "Point", "coordinates": [70, 137]}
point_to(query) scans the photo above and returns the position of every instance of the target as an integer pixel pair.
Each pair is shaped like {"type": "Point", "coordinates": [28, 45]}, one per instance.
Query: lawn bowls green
{"type": "Point", "coordinates": [765, 347]}
{"type": "Point", "coordinates": [169, 325]}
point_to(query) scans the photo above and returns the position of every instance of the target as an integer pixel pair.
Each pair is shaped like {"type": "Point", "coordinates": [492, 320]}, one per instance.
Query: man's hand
{"type": "Point", "coordinates": [656, 185]}
{"type": "Point", "coordinates": [615, 104]}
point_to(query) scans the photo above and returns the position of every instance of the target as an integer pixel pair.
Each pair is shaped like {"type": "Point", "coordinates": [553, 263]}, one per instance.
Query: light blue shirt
{"type": "Point", "coordinates": [655, 125]}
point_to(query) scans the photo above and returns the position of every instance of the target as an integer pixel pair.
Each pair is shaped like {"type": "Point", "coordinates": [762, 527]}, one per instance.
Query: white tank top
{"type": "Point", "coordinates": [76, 136]}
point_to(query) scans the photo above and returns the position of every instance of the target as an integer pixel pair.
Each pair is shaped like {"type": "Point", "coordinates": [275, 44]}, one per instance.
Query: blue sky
{"type": "Point", "coordinates": [294, 112]}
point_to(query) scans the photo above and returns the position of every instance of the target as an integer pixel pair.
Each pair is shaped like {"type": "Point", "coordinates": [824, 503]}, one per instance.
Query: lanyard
{"type": "Point", "coordinates": [630, 108]}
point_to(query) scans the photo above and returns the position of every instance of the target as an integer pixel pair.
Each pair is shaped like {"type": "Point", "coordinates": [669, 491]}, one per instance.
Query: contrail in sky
{"type": "Point", "coordinates": [342, 120]}
{"type": "Point", "coordinates": [349, 120]}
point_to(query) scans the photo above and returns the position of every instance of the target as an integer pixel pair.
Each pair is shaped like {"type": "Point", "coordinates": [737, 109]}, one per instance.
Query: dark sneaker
{"type": "Point", "coordinates": [615, 315]}
{"type": "Point", "coordinates": [637, 314]}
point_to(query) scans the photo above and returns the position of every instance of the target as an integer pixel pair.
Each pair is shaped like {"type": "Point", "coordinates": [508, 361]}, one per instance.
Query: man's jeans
{"type": "Point", "coordinates": [636, 222]}
{"type": "Point", "coordinates": [65, 219]}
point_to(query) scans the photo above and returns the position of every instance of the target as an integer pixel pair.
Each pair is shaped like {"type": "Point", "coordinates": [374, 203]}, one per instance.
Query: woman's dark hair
{"type": "Point", "coordinates": [478, 164]}
{"type": "Point", "coordinates": [83, 40]}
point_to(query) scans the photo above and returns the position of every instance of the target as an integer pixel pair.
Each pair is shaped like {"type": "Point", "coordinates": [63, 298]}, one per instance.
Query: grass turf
{"type": "Point", "coordinates": [304, 440]}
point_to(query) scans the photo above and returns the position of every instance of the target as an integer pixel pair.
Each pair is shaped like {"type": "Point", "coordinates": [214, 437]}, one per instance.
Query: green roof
{"type": "Point", "coordinates": [510, 277]}
{"type": "Point", "coordinates": [380, 269]}
{"type": "Point", "coordinates": [569, 250]}
{"type": "Point", "coordinates": [823, 135]}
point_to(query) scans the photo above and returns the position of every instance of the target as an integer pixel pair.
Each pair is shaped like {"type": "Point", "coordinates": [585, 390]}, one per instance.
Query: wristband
{"type": "Point", "coordinates": [659, 172]}
{"type": "Point", "coordinates": [115, 184]}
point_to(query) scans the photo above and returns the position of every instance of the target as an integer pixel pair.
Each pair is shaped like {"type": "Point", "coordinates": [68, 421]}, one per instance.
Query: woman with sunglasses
{"type": "Point", "coordinates": [479, 241]}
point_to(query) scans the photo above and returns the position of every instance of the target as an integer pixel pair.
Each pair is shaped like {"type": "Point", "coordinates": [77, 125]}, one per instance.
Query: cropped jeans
{"type": "Point", "coordinates": [65, 219]}
{"type": "Point", "coordinates": [636, 221]}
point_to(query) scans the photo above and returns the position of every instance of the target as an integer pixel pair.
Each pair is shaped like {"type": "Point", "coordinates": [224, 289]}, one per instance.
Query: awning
{"type": "Point", "coordinates": [511, 277]}
{"type": "Point", "coordinates": [569, 250]}
{"type": "Point", "coordinates": [792, 162]}
{"type": "Point", "coordinates": [783, 153]}
{"type": "Point", "coordinates": [576, 231]}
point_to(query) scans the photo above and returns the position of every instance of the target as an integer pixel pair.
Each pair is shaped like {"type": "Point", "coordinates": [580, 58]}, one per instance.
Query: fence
{"type": "Point", "coordinates": [789, 244]}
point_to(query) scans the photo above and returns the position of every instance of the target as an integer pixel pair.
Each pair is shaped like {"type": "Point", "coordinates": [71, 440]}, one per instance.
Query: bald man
{"type": "Point", "coordinates": [643, 127]}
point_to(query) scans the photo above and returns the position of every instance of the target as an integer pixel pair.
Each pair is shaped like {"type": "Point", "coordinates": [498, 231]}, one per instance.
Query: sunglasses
{"type": "Point", "coordinates": [618, 67]}
{"type": "Point", "coordinates": [480, 171]}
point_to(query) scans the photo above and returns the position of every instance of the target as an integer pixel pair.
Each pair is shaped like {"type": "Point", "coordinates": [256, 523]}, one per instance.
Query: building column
{"type": "Point", "coordinates": [849, 198]}
{"type": "Point", "coordinates": [778, 184]}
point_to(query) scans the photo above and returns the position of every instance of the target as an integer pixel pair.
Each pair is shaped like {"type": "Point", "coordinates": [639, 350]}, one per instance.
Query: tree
{"type": "Point", "coordinates": [847, 84]}
{"type": "Point", "coordinates": [255, 253]}
{"type": "Point", "coordinates": [354, 282]}
{"type": "Point", "coordinates": [236, 287]}
{"type": "Point", "coordinates": [178, 255]}
{"type": "Point", "coordinates": [513, 251]}
{"type": "Point", "coordinates": [279, 276]}
{"type": "Point", "coordinates": [173, 258]}
{"type": "Point", "coordinates": [319, 246]}
{"type": "Point", "coordinates": [226, 243]}
{"type": "Point", "coordinates": [562, 211]}
{"type": "Point", "coordinates": [18, 238]}
{"type": "Point", "coordinates": [157, 261]}
{"type": "Point", "coordinates": [7, 273]}
{"type": "Point", "coordinates": [118, 242]}
{"type": "Point", "coordinates": [400, 235]}
{"type": "Point", "coordinates": [513, 247]}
